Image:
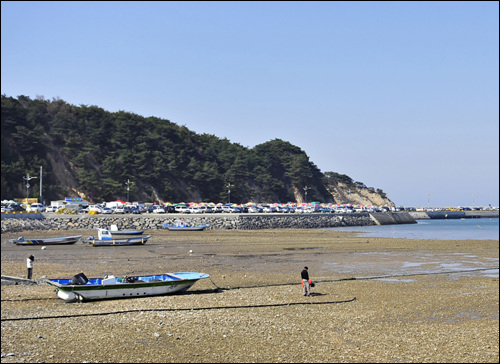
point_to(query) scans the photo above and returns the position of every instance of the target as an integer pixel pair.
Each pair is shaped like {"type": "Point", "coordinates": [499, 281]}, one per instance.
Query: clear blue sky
{"type": "Point", "coordinates": [401, 96]}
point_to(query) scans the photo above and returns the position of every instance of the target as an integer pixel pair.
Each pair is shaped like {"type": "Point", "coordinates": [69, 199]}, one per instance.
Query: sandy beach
{"type": "Point", "coordinates": [376, 300]}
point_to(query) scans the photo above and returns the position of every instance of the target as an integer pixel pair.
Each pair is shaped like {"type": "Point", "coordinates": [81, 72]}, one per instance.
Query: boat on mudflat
{"type": "Point", "coordinates": [105, 238]}
{"type": "Point", "coordinates": [115, 231]}
{"type": "Point", "coordinates": [46, 241]}
{"type": "Point", "coordinates": [80, 288]}
{"type": "Point", "coordinates": [182, 226]}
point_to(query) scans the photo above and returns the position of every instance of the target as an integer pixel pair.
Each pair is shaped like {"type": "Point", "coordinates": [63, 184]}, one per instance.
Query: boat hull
{"type": "Point", "coordinates": [186, 228]}
{"type": "Point", "coordinates": [47, 241]}
{"type": "Point", "coordinates": [121, 241]}
{"type": "Point", "coordinates": [127, 232]}
{"type": "Point", "coordinates": [142, 286]}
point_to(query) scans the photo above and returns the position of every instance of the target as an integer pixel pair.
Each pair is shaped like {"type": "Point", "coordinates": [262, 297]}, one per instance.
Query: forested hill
{"type": "Point", "coordinates": [88, 152]}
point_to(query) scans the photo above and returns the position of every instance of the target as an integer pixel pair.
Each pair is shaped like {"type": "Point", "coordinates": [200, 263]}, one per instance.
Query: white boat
{"type": "Point", "coordinates": [115, 231]}
{"type": "Point", "coordinates": [106, 238]}
{"type": "Point", "coordinates": [80, 288]}
{"type": "Point", "coordinates": [46, 241]}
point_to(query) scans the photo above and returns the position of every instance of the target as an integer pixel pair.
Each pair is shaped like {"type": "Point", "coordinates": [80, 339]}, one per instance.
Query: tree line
{"type": "Point", "coordinates": [92, 152]}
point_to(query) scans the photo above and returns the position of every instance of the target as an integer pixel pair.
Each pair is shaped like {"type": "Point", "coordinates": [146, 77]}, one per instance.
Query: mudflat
{"type": "Point", "coordinates": [375, 300]}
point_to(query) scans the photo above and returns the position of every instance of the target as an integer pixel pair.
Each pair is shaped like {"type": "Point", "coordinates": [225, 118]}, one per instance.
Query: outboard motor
{"type": "Point", "coordinates": [80, 279]}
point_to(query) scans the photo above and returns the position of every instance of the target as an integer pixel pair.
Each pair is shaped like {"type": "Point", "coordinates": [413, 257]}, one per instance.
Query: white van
{"type": "Point", "coordinates": [36, 207]}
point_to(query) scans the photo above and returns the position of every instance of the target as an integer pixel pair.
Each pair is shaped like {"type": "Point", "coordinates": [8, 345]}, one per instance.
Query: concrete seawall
{"type": "Point", "coordinates": [392, 218]}
{"type": "Point", "coordinates": [420, 215]}
{"type": "Point", "coordinates": [216, 221]}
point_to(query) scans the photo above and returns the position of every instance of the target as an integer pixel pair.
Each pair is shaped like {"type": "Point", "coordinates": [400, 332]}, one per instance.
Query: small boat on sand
{"type": "Point", "coordinates": [181, 225]}
{"type": "Point", "coordinates": [115, 231]}
{"type": "Point", "coordinates": [46, 241]}
{"type": "Point", "coordinates": [105, 238]}
{"type": "Point", "coordinates": [80, 288]}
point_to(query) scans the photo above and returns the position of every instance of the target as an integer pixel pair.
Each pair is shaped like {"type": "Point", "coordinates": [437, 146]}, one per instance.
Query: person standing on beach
{"type": "Point", "coordinates": [29, 264]}
{"type": "Point", "coordinates": [305, 281]}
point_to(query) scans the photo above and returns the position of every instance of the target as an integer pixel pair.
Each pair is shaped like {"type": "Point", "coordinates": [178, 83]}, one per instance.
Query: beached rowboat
{"type": "Point", "coordinates": [80, 288]}
{"type": "Point", "coordinates": [46, 241]}
{"type": "Point", "coordinates": [115, 231]}
{"type": "Point", "coordinates": [105, 238]}
{"type": "Point", "coordinates": [182, 226]}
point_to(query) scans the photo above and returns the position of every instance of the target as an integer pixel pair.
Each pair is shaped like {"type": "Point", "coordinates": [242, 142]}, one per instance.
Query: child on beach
{"type": "Point", "coordinates": [305, 281]}
{"type": "Point", "coordinates": [29, 264]}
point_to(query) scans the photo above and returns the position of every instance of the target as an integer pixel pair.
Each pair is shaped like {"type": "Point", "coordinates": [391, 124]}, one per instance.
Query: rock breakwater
{"type": "Point", "coordinates": [218, 222]}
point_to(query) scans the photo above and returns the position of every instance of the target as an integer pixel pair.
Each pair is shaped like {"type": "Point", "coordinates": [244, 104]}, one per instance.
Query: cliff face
{"type": "Point", "coordinates": [350, 194]}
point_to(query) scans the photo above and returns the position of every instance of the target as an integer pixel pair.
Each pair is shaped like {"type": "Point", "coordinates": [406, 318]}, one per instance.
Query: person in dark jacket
{"type": "Point", "coordinates": [305, 281]}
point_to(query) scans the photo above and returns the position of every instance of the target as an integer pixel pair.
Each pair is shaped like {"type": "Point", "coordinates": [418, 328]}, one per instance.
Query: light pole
{"type": "Point", "coordinates": [229, 185]}
{"type": "Point", "coordinates": [27, 178]}
{"type": "Point", "coordinates": [305, 192]}
{"type": "Point", "coordinates": [128, 183]}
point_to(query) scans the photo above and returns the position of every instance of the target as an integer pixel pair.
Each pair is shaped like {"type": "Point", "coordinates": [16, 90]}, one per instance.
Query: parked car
{"type": "Point", "coordinates": [169, 209]}
{"type": "Point", "coordinates": [254, 209]}
{"type": "Point", "coordinates": [36, 207]}
{"type": "Point", "coordinates": [95, 208]}
{"type": "Point", "coordinates": [158, 210]}
{"type": "Point", "coordinates": [118, 210]}
{"type": "Point", "coordinates": [135, 210]}
{"type": "Point", "coordinates": [53, 208]}
{"type": "Point", "coordinates": [270, 209]}
{"type": "Point", "coordinates": [13, 208]}
{"type": "Point", "coordinates": [106, 210]}
{"type": "Point", "coordinates": [182, 209]}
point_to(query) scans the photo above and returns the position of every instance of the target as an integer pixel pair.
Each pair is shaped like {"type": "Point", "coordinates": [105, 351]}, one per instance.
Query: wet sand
{"type": "Point", "coordinates": [416, 300]}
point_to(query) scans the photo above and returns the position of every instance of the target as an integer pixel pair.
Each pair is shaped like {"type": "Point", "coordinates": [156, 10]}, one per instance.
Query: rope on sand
{"type": "Point", "coordinates": [178, 309]}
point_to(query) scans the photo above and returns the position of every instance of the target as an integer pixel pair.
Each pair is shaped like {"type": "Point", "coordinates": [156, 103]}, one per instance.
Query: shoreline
{"type": "Point", "coordinates": [441, 313]}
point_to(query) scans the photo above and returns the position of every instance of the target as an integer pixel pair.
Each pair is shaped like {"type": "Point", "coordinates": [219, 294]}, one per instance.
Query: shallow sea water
{"type": "Point", "coordinates": [438, 229]}
{"type": "Point", "coordinates": [398, 267]}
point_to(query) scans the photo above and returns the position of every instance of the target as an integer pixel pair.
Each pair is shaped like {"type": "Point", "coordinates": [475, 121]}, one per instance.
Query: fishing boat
{"type": "Point", "coordinates": [115, 231]}
{"type": "Point", "coordinates": [80, 288]}
{"type": "Point", "coordinates": [181, 225]}
{"type": "Point", "coordinates": [46, 241]}
{"type": "Point", "coordinates": [105, 238]}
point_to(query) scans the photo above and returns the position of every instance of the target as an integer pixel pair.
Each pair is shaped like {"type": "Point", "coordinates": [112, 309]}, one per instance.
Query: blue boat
{"type": "Point", "coordinates": [181, 225]}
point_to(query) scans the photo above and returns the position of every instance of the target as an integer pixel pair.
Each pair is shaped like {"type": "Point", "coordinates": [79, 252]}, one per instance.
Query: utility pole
{"type": "Point", "coordinates": [305, 192]}
{"type": "Point", "coordinates": [229, 185]}
{"type": "Point", "coordinates": [128, 183]}
{"type": "Point", "coordinates": [41, 178]}
{"type": "Point", "coordinates": [27, 178]}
